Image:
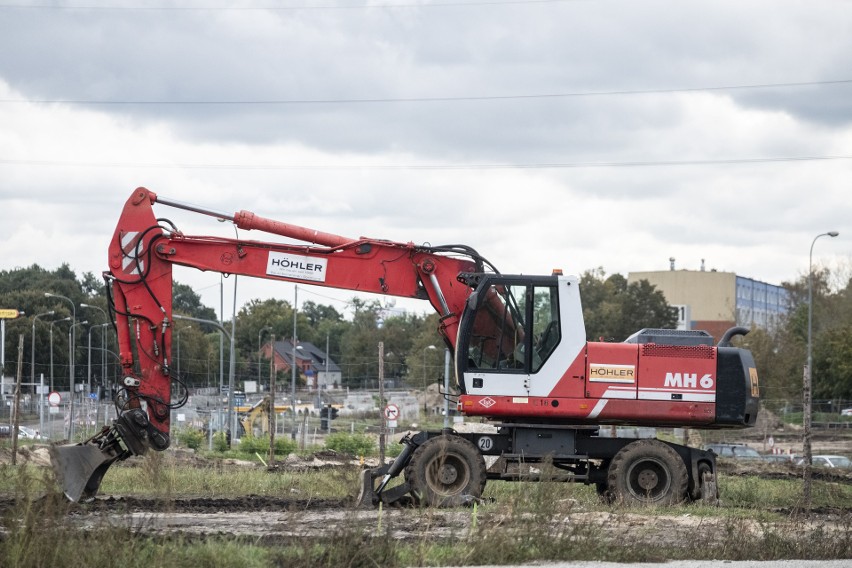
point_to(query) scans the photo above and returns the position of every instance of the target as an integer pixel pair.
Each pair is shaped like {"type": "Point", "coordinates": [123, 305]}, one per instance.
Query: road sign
{"type": "Point", "coordinates": [9, 314]}
{"type": "Point", "coordinates": [391, 412]}
{"type": "Point", "coordinates": [54, 399]}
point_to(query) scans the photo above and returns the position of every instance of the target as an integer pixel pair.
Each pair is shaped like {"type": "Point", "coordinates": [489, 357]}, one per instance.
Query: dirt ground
{"type": "Point", "coordinates": [271, 517]}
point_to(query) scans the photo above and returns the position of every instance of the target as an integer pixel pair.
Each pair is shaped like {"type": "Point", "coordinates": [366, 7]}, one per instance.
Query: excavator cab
{"type": "Point", "coordinates": [517, 332]}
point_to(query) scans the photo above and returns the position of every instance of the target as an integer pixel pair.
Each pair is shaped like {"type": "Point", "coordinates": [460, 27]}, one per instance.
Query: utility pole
{"type": "Point", "coordinates": [382, 428]}
{"type": "Point", "coordinates": [17, 403]}
{"type": "Point", "coordinates": [293, 365]}
{"type": "Point", "coordinates": [271, 416]}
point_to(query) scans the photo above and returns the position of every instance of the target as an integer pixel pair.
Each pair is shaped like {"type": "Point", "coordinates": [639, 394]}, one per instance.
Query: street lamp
{"type": "Point", "coordinates": [103, 327]}
{"type": "Point", "coordinates": [73, 306]}
{"type": "Point", "coordinates": [425, 385]}
{"type": "Point", "coordinates": [232, 366]}
{"type": "Point", "coordinates": [259, 348]}
{"type": "Point", "coordinates": [71, 338]}
{"type": "Point", "coordinates": [71, 377]}
{"type": "Point", "coordinates": [103, 344]}
{"type": "Point", "coordinates": [806, 442]}
{"type": "Point", "coordinates": [51, 347]}
{"type": "Point", "coordinates": [91, 307]}
{"type": "Point", "coordinates": [425, 349]}
{"type": "Point", "coordinates": [293, 366]}
{"type": "Point", "coordinates": [32, 372]}
{"type": "Point", "coordinates": [178, 349]}
{"type": "Point", "coordinates": [32, 345]}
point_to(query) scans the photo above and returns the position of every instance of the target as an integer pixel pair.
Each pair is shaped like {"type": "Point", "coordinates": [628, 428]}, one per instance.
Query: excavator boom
{"type": "Point", "coordinates": [142, 253]}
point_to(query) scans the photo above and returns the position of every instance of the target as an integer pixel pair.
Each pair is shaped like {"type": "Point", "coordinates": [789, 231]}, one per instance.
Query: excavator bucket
{"type": "Point", "coordinates": [80, 468]}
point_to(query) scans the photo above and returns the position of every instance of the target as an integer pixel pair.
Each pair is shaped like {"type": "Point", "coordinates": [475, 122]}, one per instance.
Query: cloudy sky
{"type": "Point", "coordinates": [544, 133]}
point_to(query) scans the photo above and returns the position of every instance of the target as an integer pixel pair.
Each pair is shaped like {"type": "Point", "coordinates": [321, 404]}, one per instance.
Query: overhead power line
{"type": "Point", "coordinates": [427, 99]}
{"type": "Point", "coordinates": [346, 167]}
{"type": "Point", "coordinates": [384, 6]}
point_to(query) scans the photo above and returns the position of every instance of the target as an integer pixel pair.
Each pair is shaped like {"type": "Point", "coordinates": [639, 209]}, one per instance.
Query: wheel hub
{"type": "Point", "coordinates": [647, 480]}
{"type": "Point", "coordinates": [447, 474]}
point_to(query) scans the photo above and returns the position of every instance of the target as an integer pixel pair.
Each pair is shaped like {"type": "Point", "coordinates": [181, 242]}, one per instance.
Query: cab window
{"type": "Point", "coordinates": [516, 328]}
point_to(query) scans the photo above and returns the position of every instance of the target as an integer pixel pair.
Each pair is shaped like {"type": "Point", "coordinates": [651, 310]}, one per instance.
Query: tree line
{"type": "Point", "coordinates": [414, 352]}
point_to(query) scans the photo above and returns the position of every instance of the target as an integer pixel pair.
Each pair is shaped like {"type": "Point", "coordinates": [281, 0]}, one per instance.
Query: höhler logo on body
{"type": "Point", "coordinates": [605, 373]}
{"type": "Point", "coordinates": [296, 266]}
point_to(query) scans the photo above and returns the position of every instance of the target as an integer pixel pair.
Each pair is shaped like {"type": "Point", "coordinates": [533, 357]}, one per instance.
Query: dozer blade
{"type": "Point", "coordinates": [80, 468]}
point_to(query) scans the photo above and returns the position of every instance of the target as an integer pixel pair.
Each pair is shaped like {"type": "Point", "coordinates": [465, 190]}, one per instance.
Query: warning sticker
{"type": "Point", "coordinates": [755, 385]}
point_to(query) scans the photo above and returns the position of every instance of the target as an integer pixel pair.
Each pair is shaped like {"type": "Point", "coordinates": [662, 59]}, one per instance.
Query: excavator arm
{"type": "Point", "coordinates": [142, 253]}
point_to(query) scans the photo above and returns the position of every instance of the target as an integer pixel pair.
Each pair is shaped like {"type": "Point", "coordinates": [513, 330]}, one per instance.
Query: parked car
{"type": "Point", "coordinates": [828, 461]}
{"type": "Point", "coordinates": [24, 433]}
{"type": "Point", "coordinates": [734, 451]}
{"type": "Point", "coordinates": [846, 412]}
{"type": "Point", "coordinates": [27, 433]}
{"type": "Point", "coordinates": [780, 458]}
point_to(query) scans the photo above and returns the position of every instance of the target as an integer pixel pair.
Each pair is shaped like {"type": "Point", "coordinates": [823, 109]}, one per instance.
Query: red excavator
{"type": "Point", "coordinates": [521, 360]}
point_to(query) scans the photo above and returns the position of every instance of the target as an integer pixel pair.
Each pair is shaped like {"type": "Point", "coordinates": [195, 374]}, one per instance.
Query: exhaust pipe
{"type": "Point", "coordinates": [730, 334]}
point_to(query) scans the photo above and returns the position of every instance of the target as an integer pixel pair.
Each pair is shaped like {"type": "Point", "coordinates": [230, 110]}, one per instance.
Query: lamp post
{"type": "Point", "coordinates": [425, 385]}
{"type": "Point", "coordinates": [70, 341]}
{"type": "Point", "coordinates": [73, 306]}
{"type": "Point", "coordinates": [32, 372]}
{"type": "Point", "coordinates": [71, 377]}
{"type": "Point", "coordinates": [32, 345]}
{"type": "Point", "coordinates": [89, 358]}
{"type": "Point", "coordinates": [51, 347]}
{"type": "Point", "coordinates": [807, 391]}
{"type": "Point", "coordinates": [425, 349]}
{"type": "Point", "coordinates": [259, 348]}
{"type": "Point", "coordinates": [178, 349]}
{"type": "Point", "coordinates": [232, 365]}
{"type": "Point", "coordinates": [103, 344]}
{"type": "Point", "coordinates": [293, 365]}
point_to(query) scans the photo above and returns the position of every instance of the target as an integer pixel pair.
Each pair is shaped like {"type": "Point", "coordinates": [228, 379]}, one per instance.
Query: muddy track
{"type": "Point", "coordinates": [273, 520]}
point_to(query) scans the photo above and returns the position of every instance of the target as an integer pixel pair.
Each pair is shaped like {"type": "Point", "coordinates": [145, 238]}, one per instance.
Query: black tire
{"type": "Point", "coordinates": [647, 472]}
{"type": "Point", "coordinates": [446, 471]}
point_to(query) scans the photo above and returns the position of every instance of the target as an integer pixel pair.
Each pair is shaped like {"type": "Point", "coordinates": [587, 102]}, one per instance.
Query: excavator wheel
{"type": "Point", "coordinates": [647, 472]}
{"type": "Point", "coordinates": [446, 471]}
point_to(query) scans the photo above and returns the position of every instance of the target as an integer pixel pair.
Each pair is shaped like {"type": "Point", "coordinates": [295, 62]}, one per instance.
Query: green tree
{"type": "Point", "coordinates": [426, 365]}
{"type": "Point", "coordinates": [359, 344]}
{"type": "Point", "coordinates": [614, 309]}
{"type": "Point", "coordinates": [642, 305]}
{"type": "Point", "coordinates": [24, 289]}
{"type": "Point", "coordinates": [186, 301]}
{"type": "Point", "coordinates": [832, 356]}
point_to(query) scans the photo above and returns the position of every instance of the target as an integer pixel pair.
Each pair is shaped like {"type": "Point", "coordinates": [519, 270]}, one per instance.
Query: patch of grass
{"type": "Point", "coordinates": [218, 481]}
{"type": "Point", "coordinates": [753, 493]}
{"type": "Point", "coordinates": [518, 522]}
